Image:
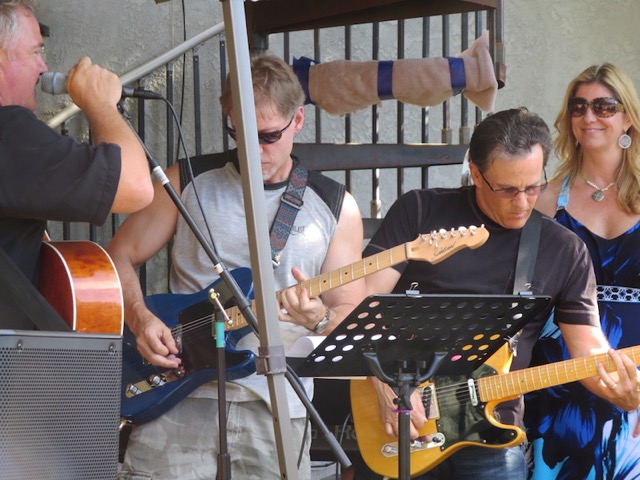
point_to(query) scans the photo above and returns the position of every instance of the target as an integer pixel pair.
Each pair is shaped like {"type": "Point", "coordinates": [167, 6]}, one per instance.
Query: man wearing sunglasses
{"type": "Point", "coordinates": [508, 153]}
{"type": "Point", "coordinates": [327, 234]}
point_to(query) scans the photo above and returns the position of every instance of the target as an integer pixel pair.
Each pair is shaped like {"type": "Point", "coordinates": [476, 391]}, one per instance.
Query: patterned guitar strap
{"type": "Point", "coordinates": [290, 204]}
{"type": "Point", "coordinates": [525, 264]}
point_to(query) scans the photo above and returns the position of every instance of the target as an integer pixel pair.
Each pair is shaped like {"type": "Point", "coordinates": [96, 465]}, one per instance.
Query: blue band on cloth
{"type": "Point", "coordinates": [458, 78]}
{"type": "Point", "coordinates": [301, 69]}
{"type": "Point", "coordinates": [385, 75]}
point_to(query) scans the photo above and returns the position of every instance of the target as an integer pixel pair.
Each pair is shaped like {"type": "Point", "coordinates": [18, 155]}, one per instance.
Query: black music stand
{"type": "Point", "coordinates": [404, 340]}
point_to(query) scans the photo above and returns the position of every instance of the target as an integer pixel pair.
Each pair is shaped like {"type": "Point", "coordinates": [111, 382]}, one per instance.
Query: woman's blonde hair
{"type": "Point", "coordinates": [569, 151]}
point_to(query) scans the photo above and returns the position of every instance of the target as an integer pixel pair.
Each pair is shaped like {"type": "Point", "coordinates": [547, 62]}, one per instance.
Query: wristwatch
{"type": "Point", "coordinates": [322, 324]}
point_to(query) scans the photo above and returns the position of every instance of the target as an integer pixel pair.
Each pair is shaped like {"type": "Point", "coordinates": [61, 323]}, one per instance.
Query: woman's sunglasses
{"type": "Point", "coordinates": [603, 107]}
{"type": "Point", "coordinates": [264, 138]}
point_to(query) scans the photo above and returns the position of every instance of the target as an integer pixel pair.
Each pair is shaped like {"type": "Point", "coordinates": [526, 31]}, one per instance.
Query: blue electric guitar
{"type": "Point", "coordinates": [149, 391]}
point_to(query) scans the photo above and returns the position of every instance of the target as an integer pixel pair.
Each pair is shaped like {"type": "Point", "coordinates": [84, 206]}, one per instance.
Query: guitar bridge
{"type": "Point", "coordinates": [390, 449]}
{"type": "Point", "coordinates": [429, 400]}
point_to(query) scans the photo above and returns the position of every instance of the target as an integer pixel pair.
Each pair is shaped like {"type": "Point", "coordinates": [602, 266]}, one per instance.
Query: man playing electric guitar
{"type": "Point", "coordinates": [508, 152]}
{"type": "Point", "coordinates": [327, 234]}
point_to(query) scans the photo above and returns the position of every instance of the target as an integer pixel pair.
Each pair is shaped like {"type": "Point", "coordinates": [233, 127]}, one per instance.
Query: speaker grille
{"type": "Point", "coordinates": [59, 405]}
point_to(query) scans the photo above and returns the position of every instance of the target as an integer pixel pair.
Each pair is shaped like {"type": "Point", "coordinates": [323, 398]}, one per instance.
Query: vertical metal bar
{"type": "Point", "coordinates": [426, 47]}
{"type": "Point", "coordinates": [197, 101]}
{"type": "Point", "coordinates": [141, 120]}
{"type": "Point", "coordinates": [66, 227]}
{"type": "Point", "coordinates": [479, 30]}
{"type": "Point", "coordinates": [446, 111]}
{"type": "Point", "coordinates": [170, 142]}
{"type": "Point", "coordinates": [316, 56]}
{"type": "Point", "coordinates": [286, 45]}
{"type": "Point", "coordinates": [400, 112]}
{"type": "Point", "coordinates": [169, 95]}
{"type": "Point", "coordinates": [464, 134]}
{"type": "Point", "coordinates": [424, 134]}
{"type": "Point", "coordinates": [376, 204]}
{"type": "Point", "coordinates": [222, 49]}
{"type": "Point", "coordinates": [496, 41]}
{"type": "Point", "coordinates": [262, 270]}
{"type": "Point", "coordinates": [347, 118]}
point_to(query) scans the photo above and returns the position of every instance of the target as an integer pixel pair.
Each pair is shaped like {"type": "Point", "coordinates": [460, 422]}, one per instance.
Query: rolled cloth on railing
{"type": "Point", "coordinates": [344, 86]}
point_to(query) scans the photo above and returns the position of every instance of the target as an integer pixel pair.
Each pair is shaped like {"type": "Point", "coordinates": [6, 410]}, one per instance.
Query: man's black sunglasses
{"type": "Point", "coordinates": [264, 138]}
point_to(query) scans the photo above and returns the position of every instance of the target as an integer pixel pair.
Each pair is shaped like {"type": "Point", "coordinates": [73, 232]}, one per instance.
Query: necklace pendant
{"type": "Point", "coordinates": [597, 196]}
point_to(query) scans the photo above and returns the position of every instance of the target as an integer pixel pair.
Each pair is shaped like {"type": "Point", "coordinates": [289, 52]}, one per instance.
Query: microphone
{"type": "Point", "coordinates": [55, 83]}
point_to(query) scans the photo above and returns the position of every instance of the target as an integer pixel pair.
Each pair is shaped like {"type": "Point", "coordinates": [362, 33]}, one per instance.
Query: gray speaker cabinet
{"type": "Point", "coordinates": [59, 405]}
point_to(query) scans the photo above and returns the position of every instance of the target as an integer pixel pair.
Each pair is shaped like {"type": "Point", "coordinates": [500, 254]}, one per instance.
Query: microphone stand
{"type": "Point", "coordinates": [244, 305]}
{"type": "Point", "coordinates": [224, 468]}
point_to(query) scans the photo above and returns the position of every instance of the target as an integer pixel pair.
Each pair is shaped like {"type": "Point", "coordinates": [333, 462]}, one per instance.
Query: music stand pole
{"type": "Point", "coordinates": [404, 383]}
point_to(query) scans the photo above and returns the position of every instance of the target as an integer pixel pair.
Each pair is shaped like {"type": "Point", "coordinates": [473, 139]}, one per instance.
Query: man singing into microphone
{"type": "Point", "coordinates": [45, 176]}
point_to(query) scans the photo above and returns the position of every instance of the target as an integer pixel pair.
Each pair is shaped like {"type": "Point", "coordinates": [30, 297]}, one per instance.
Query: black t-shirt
{"type": "Point", "coordinates": [563, 268]}
{"type": "Point", "coordinates": [46, 176]}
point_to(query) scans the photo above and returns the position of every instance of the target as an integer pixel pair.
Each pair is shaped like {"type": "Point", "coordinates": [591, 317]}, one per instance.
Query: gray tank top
{"type": "Point", "coordinates": [220, 193]}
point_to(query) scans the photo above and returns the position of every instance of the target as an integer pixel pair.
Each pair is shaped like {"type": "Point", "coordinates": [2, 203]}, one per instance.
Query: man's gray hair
{"type": "Point", "coordinates": [9, 25]}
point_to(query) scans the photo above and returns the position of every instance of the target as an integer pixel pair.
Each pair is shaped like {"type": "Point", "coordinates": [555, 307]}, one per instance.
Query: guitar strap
{"type": "Point", "coordinates": [21, 303]}
{"type": "Point", "coordinates": [290, 203]}
{"type": "Point", "coordinates": [526, 262]}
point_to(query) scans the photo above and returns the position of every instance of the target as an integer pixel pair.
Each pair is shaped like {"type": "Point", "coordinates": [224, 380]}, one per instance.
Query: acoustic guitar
{"type": "Point", "coordinates": [80, 282]}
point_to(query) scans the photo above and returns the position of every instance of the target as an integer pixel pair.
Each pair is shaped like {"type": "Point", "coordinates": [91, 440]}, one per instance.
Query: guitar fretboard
{"type": "Point", "coordinates": [334, 279]}
{"type": "Point", "coordinates": [516, 383]}
{"type": "Point", "coordinates": [433, 247]}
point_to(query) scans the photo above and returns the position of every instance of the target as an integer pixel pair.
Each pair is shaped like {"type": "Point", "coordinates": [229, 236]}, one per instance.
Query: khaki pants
{"type": "Point", "coordinates": [183, 444]}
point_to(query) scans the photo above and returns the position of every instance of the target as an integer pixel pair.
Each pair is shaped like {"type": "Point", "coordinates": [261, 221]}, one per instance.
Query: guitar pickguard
{"type": "Point", "coordinates": [149, 391]}
{"type": "Point", "coordinates": [464, 420]}
{"type": "Point", "coordinates": [461, 420]}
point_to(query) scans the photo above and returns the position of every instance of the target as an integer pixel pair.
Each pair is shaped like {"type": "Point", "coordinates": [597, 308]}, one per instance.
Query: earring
{"type": "Point", "coordinates": [624, 141]}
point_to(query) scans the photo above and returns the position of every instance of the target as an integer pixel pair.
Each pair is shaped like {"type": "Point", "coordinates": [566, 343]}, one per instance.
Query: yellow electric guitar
{"type": "Point", "coordinates": [461, 409]}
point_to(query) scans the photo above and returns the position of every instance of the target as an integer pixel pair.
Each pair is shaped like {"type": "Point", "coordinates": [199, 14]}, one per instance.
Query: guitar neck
{"type": "Point", "coordinates": [343, 275]}
{"type": "Point", "coordinates": [498, 387]}
{"type": "Point", "coordinates": [433, 247]}
{"type": "Point", "coordinates": [334, 279]}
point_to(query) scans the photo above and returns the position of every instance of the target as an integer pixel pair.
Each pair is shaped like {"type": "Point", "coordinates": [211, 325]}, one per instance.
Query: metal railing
{"type": "Point", "coordinates": [379, 152]}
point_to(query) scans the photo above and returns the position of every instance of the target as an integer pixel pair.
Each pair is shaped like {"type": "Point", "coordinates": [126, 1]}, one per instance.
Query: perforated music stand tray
{"type": "Point", "coordinates": [411, 328]}
{"type": "Point", "coordinates": [406, 339]}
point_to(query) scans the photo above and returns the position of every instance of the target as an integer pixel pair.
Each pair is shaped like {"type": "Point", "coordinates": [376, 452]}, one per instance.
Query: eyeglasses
{"type": "Point", "coordinates": [264, 138]}
{"type": "Point", "coordinates": [603, 107]}
{"type": "Point", "coordinates": [512, 192]}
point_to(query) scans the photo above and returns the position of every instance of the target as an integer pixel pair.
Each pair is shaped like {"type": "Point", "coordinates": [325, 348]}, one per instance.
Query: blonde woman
{"type": "Point", "coordinates": [595, 193]}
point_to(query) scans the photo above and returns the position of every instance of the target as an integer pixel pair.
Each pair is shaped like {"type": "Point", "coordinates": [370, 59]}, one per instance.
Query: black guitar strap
{"type": "Point", "coordinates": [526, 262]}
{"type": "Point", "coordinates": [527, 254]}
{"type": "Point", "coordinates": [22, 305]}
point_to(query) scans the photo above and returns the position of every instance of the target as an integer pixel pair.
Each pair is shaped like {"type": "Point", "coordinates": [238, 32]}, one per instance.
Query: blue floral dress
{"type": "Point", "coordinates": [572, 433]}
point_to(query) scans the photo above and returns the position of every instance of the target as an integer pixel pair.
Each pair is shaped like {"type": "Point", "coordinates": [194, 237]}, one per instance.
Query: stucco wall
{"type": "Point", "coordinates": [546, 42]}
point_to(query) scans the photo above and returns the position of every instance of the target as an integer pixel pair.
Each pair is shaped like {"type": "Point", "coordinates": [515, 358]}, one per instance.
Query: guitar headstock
{"type": "Point", "coordinates": [436, 246]}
